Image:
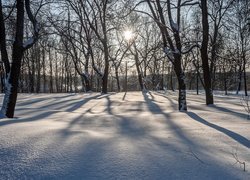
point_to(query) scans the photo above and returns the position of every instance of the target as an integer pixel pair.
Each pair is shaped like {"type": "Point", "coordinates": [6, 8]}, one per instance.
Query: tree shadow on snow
{"type": "Point", "coordinates": [131, 153]}
{"type": "Point", "coordinates": [237, 137]}
{"type": "Point", "coordinates": [39, 116]}
{"type": "Point", "coordinates": [47, 110]}
{"type": "Point", "coordinates": [155, 109]}
{"type": "Point", "coordinates": [174, 104]}
{"type": "Point", "coordinates": [77, 105]}
{"type": "Point", "coordinates": [228, 111]}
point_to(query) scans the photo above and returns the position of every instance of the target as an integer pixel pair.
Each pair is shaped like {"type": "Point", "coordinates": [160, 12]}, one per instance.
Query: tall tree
{"type": "Point", "coordinates": [204, 53]}
{"type": "Point", "coordinates": [171, 38]}
{"type": "Point", "coordinates": [13, 66]}
{"type": "Point", "coordinates": [96, 13]}
{"type": "Point", "coordinates": [217, 12]}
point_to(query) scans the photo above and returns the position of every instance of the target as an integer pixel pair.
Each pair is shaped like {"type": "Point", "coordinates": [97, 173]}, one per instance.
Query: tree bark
{"type": "Point", "coordinates": [137, 64]}
{"type": "Point", "coordinates": [38, 82]}
{"type": "Point", "coordinates": [239, 79]}
{"type": "Point", "coordinates": [106, 69]}
{"type": "Point", "coordinates": [11, 87]}
{"type": "Point", "coordinates": [244, 75]}
{"type": "Point", "coordinates": [204, 54]}
{"type": "Point", "coordinates": [117, 80]}
{"type": "Point", "coordinates": [182, 86]}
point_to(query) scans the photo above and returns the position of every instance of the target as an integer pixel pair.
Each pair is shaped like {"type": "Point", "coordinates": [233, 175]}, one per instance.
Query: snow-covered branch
{"type": "Point", "coordinates": [189, 3]}
{"type": "Point", "coordinates": [170, 53]}
{"type": "Point", "coordinates": [173, 25]}
{"type": "Point", "coordinates": [32, 40]}
{"type": "Point", "coordinates": [190, 48]}
{"type": "Point", "coordinates": [97, 71]}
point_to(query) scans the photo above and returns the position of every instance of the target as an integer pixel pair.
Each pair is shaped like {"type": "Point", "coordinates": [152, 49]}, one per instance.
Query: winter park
{"type": "Point", "coordinates": [125, 89]}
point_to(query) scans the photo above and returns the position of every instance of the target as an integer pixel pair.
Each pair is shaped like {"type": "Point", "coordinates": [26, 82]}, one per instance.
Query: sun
{"type": "Point", "coordinates": [128, 35]}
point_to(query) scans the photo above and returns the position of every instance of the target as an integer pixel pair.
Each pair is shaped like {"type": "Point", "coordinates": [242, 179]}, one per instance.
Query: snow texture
{"type": "Point", "coordinates": [130, 135]}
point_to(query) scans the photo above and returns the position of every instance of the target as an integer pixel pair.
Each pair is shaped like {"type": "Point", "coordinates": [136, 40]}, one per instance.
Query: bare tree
{"type": "Point", "coordinates": [171, 38]}
{"type": "Point", "coordinates": [217, 11]}
{"type": "Point", "coordinates": [204, 53]}
{"type": "Point", "coordinates": [13, 66]}
{"type": "Point", "coordinates": [96, 13]}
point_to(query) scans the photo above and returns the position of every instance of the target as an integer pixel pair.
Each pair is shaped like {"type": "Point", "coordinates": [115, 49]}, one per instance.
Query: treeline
{"type": "Point", "coordinates": [72, 83]}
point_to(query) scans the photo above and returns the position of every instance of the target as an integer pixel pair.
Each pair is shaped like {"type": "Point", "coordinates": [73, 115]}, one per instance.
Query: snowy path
{"type": "Point", "coordinates": [124, 136]}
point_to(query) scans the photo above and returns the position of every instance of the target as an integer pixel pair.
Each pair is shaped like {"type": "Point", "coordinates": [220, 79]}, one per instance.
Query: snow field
{"type": "Point", "coordinates": [124, 136]}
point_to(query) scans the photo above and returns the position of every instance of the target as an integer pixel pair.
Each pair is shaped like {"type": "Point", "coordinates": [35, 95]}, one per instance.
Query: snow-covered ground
{"type": "Point", "coordinates": [124, 136]}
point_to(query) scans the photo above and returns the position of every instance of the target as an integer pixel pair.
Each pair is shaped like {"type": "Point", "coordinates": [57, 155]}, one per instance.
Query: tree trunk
{"type": "Point", "coordinates": [38, 72]}
{"type": "Point", "coordinates": [56, 74]}
{"type": "Point", "coordinates": [239, 80]}
{"type": "Point", "coordinates": [126, 77]}
{"type": "Point", "coordinates": [87, 83]}
{"type": "Point", "coordinates": [62, 77]}
{"type": "Point", "coordinates": [51, 72]}
{"type": "Point", "coordinates": [32, 88]}
{"type": "Point", "coordinates": [139, 73]}
{"type": "Point", "coordinates": [136, 56]}
{"type": "Point", "coordinates": [117, 79]}
{"type": "Point", "coordinates": [204, 54]}
{"type": "Point", "coordinates": [225, 80]}
{"type": "Point", "coordinates": [182, 86]}
{"type": "Point", "coordinates": [106, 70]}
{"type": "Point", "coordinates": [11, 88]}
{"type": "Point", "coordinates": [2, 77]}
{"type": "Point", "coordinates": [244, 75]}
{"type": "Point", "coordinates": [44, 72]}
{"type": "Point", "coordinates": [162, 76]}
{"type": "Point", "coordinates": [197, 82]}
{"type": "Point", "coordinates": [171, 80]}
{"type": "Point", "coordinates": [87, 75]}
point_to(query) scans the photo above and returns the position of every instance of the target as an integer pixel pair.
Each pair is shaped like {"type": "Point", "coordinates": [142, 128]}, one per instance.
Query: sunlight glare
{"type": "Point", "coordinates": [128, 34]}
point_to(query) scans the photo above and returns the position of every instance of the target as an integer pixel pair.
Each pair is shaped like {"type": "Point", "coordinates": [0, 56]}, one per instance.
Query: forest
{"type": "Point", "coordinates": [54, 46]}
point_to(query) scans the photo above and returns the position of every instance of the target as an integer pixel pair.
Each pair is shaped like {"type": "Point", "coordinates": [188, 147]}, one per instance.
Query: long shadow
{"type": "Point", "coordinates": [124, 96]}
{"type": "Point", "coordinates": [58, 103]}
{"type": "Point", "coordinates": [28, 101]}
{"type": "Point", "coordinates": [68, 103]}
{"type": "Point", "coordinates": [64, 96]}
{"type": "Point", "coordinates": [130, 128]}
{"type": "Point", "coordinates": [242, 140]}
{"type": "Point", "coordinates": [109, 104]}
{"type": "Point", "coordinates": [31, 102]}
{"type": "Point", "coordinates": [40, 116]}
{"type": "Point", "coordinates": [80, 103]}
{"type": "Point", "coordinates": [237, 137]}
{"type": "Point", "coordinates": [228, 111]}
{"type": "Point", "coordinates": [152, 96]}
{"type": "Point", "coordinates": [94, 158]}
{"type": "Point", "coordinates": [155, 109]}
{"type": "Point", "coordinates": [43, 115]}
{"type": "Point", "coordinates": [212, 106]}
{"type": "Point", "coordinates": [174, 104]}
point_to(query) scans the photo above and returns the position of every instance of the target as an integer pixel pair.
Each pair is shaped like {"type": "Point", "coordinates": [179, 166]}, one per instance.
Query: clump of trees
{"type": "Point", "coordinates": [79, 46]}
